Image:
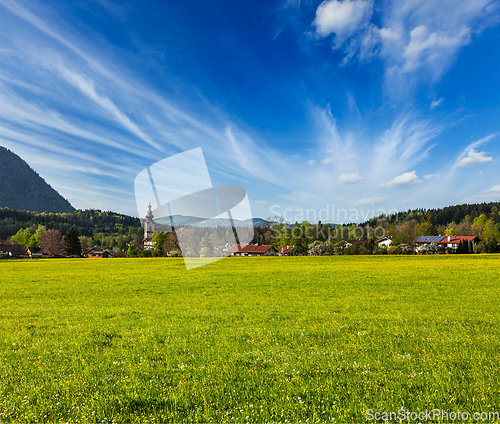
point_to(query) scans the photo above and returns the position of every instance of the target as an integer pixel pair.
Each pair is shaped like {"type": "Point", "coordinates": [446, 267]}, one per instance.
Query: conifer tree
{"type": "Point", "coordinates": [72, 243]}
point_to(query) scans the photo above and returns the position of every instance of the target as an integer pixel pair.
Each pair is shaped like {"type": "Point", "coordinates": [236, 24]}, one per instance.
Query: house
{"type": "Point", "coordinates": [286, 251]}
{"type": "Point", "coordinates": [446, 243]}
{"type": "Point", "coordinates": [423, 241]}
{"type": "Point", "coordinates": [252, 250]}
{"type": "Point", "coordinates": [86, 251]}
{"type": "Point", "coordinates": [342, 244]}
{"type": "Point", "coordinates": [12, 250]}
{"type": "Point", "coordinates": [35, 252]}
{"type": "Point", "coordinates": [98, 254]}
{"type": "Point", "coordinates": [384, 242]}
{"type": "Point", "coordinates": [451, 242]}
{"type": "Point", "coordinates": [95, 252]}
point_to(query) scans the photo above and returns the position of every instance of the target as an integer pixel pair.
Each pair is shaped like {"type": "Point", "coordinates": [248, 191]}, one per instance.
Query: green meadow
{"type": "Point", "coordinates": [311, 339]}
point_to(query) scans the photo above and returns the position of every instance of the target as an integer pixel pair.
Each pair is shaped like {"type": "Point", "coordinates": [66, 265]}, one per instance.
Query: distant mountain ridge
{"type": "Point", "coordinates": [214, 222]}
{"type": "Point", "coordinates": [23, 189]}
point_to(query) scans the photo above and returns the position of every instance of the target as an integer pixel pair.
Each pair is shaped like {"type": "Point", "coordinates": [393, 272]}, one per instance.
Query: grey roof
{"type": "Point", "coordinates": [431, 239]}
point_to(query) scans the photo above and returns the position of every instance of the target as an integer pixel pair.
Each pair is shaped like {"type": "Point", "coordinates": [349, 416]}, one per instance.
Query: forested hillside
{"type": "Point", "coordinates": [87, 223]}
{"type": "Point", "coordinates": [22, 188]}
{"type": "Point", "coordinates": [448, 214]}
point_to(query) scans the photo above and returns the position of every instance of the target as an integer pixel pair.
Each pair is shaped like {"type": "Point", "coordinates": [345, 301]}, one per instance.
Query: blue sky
{"type": "Point", "coordinates": [353, 104]}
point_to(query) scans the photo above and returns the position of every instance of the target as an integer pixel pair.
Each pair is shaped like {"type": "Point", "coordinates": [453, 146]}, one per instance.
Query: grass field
{"type": "Point", "coordinates": [248, 339]}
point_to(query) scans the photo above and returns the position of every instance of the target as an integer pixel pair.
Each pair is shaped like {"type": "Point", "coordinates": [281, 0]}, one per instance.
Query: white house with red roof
{"type": "Point", "coordinates": [12, 250]}
{"type": "Point", "coordinates": [252, 250]}
{"type": "Point", "coordinates": [285, 251]}
{"type": "Point", "coordinates": [446, 243]}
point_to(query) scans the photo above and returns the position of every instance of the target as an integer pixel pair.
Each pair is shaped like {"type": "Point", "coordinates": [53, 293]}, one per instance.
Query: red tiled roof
{"type": "Point", "coordinates": [286, 249]}
{"type": "Point", "coordinates": [15, 249]}
{"type": "Point", "coordinates": [8, 247]}
{"type": "Point", "coordinates": [250, 248]}
{"type": "Point", "coordinates": [456, 239]}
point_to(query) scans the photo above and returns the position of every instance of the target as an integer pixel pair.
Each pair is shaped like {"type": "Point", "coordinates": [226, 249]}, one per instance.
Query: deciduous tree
{"type": "Point", "coordinates": [51, 243]}
{"type": "Point", "coordinates": [426, 226]}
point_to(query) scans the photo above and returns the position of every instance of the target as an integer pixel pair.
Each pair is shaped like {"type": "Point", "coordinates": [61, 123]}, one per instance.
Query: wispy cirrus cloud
{"type": "Point", "coordinates": [489, 195]}
{"type": "Point", "coordinates": [429, 176]}
{"type": "Point", "coordinates": [76, 104]}
{"type": "Point", "coordinates": [86, 86]}
{"type": "Point", "coordinates": [436, 103]}
{"type": "Point", "coordinates": [108, 118]}
{"type": "Point", "coordinates": [368, 202]}
{"type": "Point", "coordinates": [404, 145]}
{"type": "Point", "coordinates": [341, 158]}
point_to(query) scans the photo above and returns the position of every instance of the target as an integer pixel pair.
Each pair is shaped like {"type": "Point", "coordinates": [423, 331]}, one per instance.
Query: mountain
{"type": "Point", "coordinates": [22, 188]}
{"type": "Point", "coordinates": [197, 222]}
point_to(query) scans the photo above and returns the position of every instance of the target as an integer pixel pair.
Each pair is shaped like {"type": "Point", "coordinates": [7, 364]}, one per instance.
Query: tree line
{"type": "Point", "coordinates": [321, 238]}
{"type": "Point", "coordinates": [94, 224]}
{"type": "Point", "coordinates": [124, 234]}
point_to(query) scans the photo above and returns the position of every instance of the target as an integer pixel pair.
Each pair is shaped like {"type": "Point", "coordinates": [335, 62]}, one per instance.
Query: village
{"type": "Point", "coordinates": [423, 245]}
{"type": "Point", "coordinates": [272, 238]}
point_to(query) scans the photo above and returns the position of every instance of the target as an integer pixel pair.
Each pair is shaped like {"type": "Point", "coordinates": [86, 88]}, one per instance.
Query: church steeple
{"type": "Point", "coordinates": [149, 215]}
{"type": "Point", "coordinates": [149, 228]}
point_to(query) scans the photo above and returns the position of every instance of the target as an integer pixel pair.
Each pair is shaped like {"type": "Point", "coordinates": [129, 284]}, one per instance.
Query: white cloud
{"type": "Point", "coordinates": [311, 162]}
{"type": "Point", "coordinates": [411, 35]}
{"type": "Point", "coordinates": [342, 18]}
{"type": "Point", "coordinates": [474, 158]}
{"type": "Point", "coordinates": [466, 151]}
{"type": "Point", "coordinates": [341, 158]}
{"type": "Point", "coordinates": [404, 145]}
{"type": "Point", "coordinates": [86, 86]}
{"type": "Point", "coordinates": [403, 180]}
{"type": "Point", "coordinates": [490, 195]}
{"type": "Point", "coordinates": [495, 189]}
{"type": "Point", "coordinates": [436, 103]}
{"type": "Point", "coordinates": [86, 102]}
{"type": "Point", "coordinates": [351, 178]}
{"type": "Point", "coordinates": [369, 201]}
{"type": "Point", "coordinates": [260, 202]}
{"type": "Point", "coordinates": [429, 176]}
{"type": "Point", "coordinates": [431, 48]}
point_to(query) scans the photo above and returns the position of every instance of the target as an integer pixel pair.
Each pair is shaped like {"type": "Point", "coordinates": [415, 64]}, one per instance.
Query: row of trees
{"type": "Point", "coordinates": [31, 237]}
{"type": "Point", "coordinates": [443, 216]}
{"type": "Point", "coordinates": [51, 241]}
{"type": "Point", "coordinates": [89, 223]}
{"type": "Point", "coordinates": [305, 237]}
{"type": "Point", "coordinates": [314, 238]}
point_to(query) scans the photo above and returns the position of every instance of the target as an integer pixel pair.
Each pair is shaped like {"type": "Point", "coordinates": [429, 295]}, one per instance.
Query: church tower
{"type": "Point", "coordinates": [149, 228]}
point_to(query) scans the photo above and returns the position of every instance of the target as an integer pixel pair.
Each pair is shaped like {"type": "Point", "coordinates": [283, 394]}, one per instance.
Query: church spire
{"type": "Point", "coordinates": [149, 215]}
{"type": "Point", "coordinates": [149, 228]}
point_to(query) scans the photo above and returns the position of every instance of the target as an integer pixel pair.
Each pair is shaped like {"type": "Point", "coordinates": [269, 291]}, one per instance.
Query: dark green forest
{"type": "Point", "coordinates": [87, 222]}
{"type": "Point", "coordinates": [22, 188]}
{"type": "Point", "coordinates": [448, 214]}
